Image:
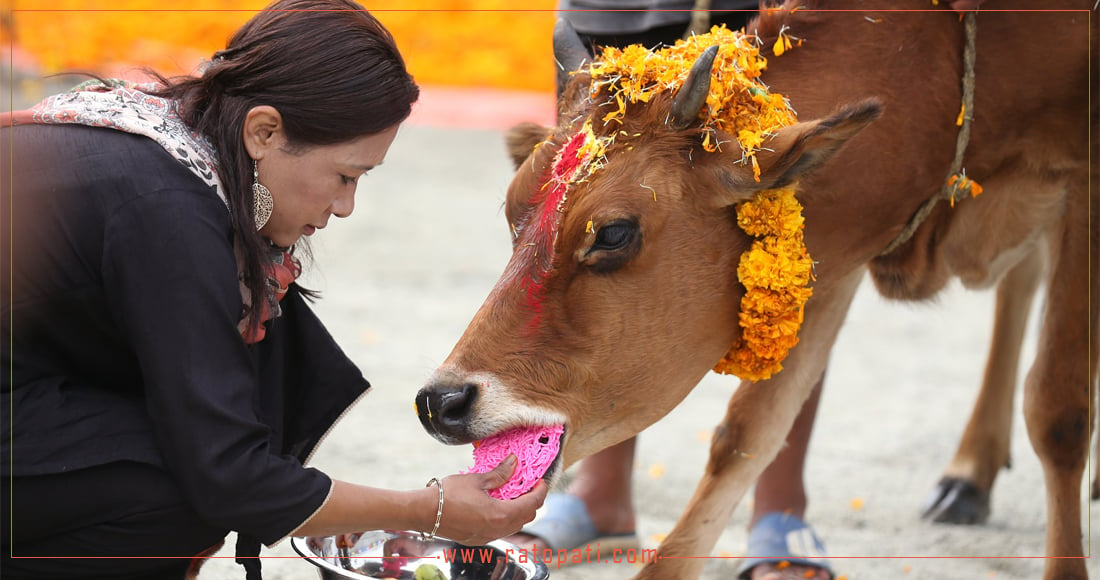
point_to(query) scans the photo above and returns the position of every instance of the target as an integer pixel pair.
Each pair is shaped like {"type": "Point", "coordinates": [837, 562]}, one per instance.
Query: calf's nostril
{"type": "Point", "coordinates": [444, 409]}
{"type": "Point", "coordinates": [452, 407]}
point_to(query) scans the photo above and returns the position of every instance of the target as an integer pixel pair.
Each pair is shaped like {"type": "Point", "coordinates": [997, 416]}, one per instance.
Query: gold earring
{"type": "Point", "coordinates": [261, 199]}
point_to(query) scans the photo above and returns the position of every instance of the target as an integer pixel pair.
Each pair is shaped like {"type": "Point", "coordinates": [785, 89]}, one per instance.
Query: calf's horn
{"type": "Point", "coordinates": [569, 52]}
{"type": "Point", "coordinates": [693, 94]}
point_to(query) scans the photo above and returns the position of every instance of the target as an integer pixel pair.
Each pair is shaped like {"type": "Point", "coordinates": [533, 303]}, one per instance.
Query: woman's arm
{"type": "Point", "coordinates": [469, 517]}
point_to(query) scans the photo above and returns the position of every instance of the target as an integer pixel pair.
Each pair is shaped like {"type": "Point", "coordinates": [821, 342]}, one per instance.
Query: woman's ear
{"type": "Point", "coordinates": [262, 131]}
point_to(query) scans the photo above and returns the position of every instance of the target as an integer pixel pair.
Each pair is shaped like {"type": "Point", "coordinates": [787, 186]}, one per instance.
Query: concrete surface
{"type": "Point", "coordinates": [404, 275]}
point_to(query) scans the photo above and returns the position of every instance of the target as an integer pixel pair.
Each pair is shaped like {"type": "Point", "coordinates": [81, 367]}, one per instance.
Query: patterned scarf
{"type": "Point", "coordinates": [127, 106]}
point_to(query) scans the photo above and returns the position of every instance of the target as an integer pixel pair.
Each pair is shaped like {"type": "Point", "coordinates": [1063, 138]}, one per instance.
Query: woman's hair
{"type": "Point", "coordinates": [331, 70]}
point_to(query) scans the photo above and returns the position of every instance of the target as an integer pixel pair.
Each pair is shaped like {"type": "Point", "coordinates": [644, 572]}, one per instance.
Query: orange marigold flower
{"type": "Point", "coordinates": [738, 103]}
{"type": "Point", "coordinates": [776, 270]}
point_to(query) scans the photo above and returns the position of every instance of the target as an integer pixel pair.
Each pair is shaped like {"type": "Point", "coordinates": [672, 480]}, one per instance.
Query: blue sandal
{"type": "Point", "coordinates": [782, 537]}
{"type": "Point", "coordinates": [564, 524]}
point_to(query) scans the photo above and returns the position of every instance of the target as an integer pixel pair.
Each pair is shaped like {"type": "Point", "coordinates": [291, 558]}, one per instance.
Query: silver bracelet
{"type": "Point", "coordinates": [439, 511]}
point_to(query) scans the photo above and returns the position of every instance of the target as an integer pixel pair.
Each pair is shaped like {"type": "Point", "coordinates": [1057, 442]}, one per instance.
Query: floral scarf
{"type": "Point", "coordinates": [127, 106]}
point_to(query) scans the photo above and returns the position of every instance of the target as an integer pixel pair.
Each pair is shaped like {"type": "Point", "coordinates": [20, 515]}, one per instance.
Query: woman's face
{"type": "Point", "coordinates": [308, 186]}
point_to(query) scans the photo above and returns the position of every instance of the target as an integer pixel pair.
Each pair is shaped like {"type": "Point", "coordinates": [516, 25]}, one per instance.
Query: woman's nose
{"type": "Point", "coordinates": [343, 205]}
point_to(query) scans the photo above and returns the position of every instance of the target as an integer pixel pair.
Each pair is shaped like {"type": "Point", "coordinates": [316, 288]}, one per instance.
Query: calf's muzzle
{"type": "Point", "coordinates": [444, 411]}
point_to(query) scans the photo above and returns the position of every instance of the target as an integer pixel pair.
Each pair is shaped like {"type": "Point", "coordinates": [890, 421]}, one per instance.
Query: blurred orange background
{"type": "Point", "coordinates": [454, 43]}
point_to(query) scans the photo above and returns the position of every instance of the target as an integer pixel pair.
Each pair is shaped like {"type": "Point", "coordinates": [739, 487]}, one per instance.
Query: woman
{"type": "Point", "coordinates": [165, 379]}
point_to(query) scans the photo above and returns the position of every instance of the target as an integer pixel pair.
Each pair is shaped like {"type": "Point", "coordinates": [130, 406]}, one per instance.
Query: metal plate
{"type": "Point", "coordinates": [397, 554]}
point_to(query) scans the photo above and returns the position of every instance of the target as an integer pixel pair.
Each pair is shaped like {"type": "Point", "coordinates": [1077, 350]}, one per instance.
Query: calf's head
{"type": "Point", "coordinates": [622, 288]}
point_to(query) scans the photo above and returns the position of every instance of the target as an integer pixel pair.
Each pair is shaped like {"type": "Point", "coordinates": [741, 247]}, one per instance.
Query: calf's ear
{"type": "Point", "coordinates": [796, 150]}
{"type": "Point", "coordinates": [521, 139]}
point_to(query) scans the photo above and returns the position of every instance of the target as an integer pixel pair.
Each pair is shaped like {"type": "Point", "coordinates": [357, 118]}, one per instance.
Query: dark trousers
{"type": "Point", "coordinates": [668, 34]}
{"type": "Point", "coordinates": [121, 521]}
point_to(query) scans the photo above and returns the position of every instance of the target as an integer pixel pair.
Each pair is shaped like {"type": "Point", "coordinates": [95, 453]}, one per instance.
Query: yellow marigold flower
{"type": "Point", "coordinates": [755, 268]}
{"type": "Point", "coordinates": [766, 302]}
{"type": "Point", "coordinates": [783, 43]}
{"type": "Point", "coordinates": [778, 48]}
{"type": "Point", "coordinates": [750, 140]}
{"type": "Point", "coordinates": [617, 113]}
{"type": "Point", "coordinates": [776, 269]}
{"type": "Point", "coordinates": [758, 219]}
{"type": "Point", "coordinates": [593, 146]}
{"type": "Point", "coordinates": [737, 102]}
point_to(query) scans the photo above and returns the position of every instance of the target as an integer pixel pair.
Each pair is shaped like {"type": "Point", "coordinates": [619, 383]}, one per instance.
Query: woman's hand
{"type": "Point", "coordinates": [471, 517]}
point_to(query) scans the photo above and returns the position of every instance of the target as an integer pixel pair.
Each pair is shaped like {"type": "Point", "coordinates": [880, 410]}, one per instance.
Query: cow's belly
{"type": "Point", "coordinates": [990, 234]}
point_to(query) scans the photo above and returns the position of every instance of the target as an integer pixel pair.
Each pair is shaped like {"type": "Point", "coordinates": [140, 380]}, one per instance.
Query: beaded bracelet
{"type": "Point", "coordinates": [439, 511]}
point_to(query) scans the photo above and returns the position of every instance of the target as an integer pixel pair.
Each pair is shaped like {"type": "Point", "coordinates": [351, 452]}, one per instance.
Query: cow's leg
{"type": "Point", "coordinates": [781, 486]}
{"type": "Point", "coordinates": [1056, 391]}
{"type": "Point", "coordinates": [1093, 220]}
{"type": "Point", "coordinates": [1095, 401]}
{"type": "Point", "coordinates": [962, 495]}
{"type": "Point", "coordinates": [1095, 425]}
{"type": "Point", "coordinates": [749, 437]}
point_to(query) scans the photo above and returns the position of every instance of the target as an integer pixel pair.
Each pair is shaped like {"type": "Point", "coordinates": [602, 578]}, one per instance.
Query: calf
{"type": "Point", "coordinates": [623, 289]}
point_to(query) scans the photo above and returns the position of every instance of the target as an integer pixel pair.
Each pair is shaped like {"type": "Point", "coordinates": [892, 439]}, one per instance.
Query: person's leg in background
{"type": "Point", "coordinates": [779, 506]}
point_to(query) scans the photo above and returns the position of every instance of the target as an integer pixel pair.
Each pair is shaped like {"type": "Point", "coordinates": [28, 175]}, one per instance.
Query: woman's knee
{"type": "Point", "coordinates": [119, 509]}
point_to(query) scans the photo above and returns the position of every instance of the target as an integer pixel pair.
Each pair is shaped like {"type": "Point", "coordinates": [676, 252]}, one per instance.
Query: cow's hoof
{"type": "Point", "coordinates": [957, 501]}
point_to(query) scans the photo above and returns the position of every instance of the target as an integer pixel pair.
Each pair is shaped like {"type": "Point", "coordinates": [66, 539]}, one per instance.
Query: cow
{"type": "Point", "coordinates": [622, 293]}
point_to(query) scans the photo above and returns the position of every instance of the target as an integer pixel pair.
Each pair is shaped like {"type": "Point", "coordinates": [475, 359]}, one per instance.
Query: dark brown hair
{"type": "Point", "coordinates": [328, 66]}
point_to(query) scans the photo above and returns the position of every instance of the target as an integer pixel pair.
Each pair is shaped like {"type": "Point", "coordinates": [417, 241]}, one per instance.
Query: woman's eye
{"type": "Point", "coordinates": [614, 236]}
{"type": "Point", "coordinates": [347, 180]}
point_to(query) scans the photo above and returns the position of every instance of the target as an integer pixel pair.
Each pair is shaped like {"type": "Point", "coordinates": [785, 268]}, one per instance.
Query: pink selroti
{"type": "Point", "coordinates": [535, 449]}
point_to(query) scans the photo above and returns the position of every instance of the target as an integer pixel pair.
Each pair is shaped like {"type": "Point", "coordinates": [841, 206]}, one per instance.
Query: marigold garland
{"type": "Point", "coordinates": [775, 272]}
{"type": "Point", "coordinates": [738, 104]}
{"type": "Point", "coordinates": [777, 269]}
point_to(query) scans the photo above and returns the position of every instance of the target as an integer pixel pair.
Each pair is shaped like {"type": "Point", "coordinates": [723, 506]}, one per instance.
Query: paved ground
{"type": "Point", "coordinates": [403, 276]}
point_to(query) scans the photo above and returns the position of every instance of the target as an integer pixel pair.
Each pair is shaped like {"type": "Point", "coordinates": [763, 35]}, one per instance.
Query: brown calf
{"type": "Point", "coordinates": [616, 302]}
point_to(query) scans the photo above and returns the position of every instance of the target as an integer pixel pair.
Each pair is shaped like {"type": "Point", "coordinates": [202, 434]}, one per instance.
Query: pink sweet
{"type": "Point", "coordinates": [535, 449]}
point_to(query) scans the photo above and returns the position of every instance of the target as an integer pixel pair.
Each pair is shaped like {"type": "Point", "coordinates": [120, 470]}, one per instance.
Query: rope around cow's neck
{"type": "Point", "coordinates": [956, 181]}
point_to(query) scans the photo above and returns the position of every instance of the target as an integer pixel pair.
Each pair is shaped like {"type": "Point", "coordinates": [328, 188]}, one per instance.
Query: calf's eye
{"type": "Point", "coordinates": [614, 236]}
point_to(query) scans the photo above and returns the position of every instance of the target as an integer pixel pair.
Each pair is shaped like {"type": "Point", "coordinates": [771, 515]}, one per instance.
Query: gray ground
{"type": "Point", "coordinates": [428, 240]}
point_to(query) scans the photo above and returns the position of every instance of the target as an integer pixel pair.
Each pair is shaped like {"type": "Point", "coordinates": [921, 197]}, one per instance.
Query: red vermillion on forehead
{"type": "Point", "coordinates": [538, 233]}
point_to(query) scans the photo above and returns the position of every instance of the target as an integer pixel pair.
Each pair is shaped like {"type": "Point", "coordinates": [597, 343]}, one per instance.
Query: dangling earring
{"type": "Point", "coordinates": [261, 199]}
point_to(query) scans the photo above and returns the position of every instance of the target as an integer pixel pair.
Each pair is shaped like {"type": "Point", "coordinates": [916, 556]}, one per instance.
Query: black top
{"type": "Point", "coordinates": [121, 341]}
